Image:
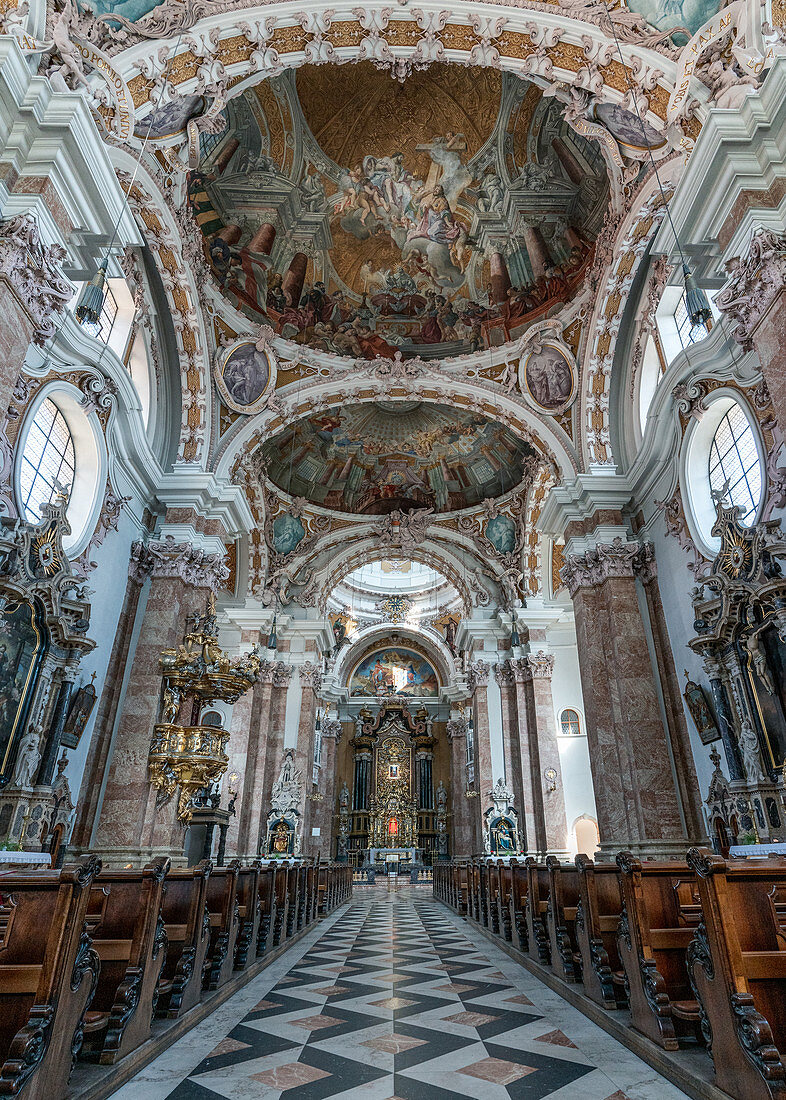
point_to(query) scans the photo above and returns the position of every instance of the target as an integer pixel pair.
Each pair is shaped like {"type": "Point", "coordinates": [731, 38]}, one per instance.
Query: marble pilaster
{"type": "Point", "coordinates": [133, 826]}
{"type": "Point", "coordinates": [461, 831]}
{"type": "Point", "coordinates": [511, 741]}
{"type": "Point", "coordinates": [310, 682]}
{"type": "Point", "coordinates": [633, 778]}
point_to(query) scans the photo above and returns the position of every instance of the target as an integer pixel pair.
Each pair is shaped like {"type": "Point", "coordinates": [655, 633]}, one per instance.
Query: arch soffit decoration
{"type": "Point", "coordinates": [556, 49]}
{"type": "Point", "coordinates": [371, 638]}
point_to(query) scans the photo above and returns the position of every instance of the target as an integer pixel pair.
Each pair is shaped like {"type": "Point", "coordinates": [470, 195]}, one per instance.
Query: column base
{"type": "Point", "coordinates": [115, 858]}
{"type": "Point", "coordinates": [645, 850]}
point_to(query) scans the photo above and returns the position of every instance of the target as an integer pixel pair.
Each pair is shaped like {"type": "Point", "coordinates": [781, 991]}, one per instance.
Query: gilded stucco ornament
{"type": "Point", "coordinates": [198, 673]}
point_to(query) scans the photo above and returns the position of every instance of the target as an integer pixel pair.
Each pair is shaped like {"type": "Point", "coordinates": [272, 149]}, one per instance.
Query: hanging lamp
{"type": "Point", "coordinates": [272, 639]}
{"type": "Point", "coordinates": [91, 300]}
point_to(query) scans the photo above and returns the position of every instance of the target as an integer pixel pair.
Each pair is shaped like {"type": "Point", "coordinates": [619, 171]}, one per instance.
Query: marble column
{"type": "Point", "coordinates": [271, 732]}
{"type": "Point", "coordinates": [568, 161]}
{"type": "Point", "coordinates": [531, 813]}
{"type": "Point", "coordinates": [550, 785]}
{"type": "Point", "coordinates": [723, 713]}
{"type": "Point", "coordinates": [134, 824]}
{"type": "Point", "coordinates": [635, 792]}
{"type": "Point", "coordinates": [294, 277]}
{"type": "Point", "coordinates": [310, 683]}
{"type": "Point", "coordinates": [537, 251]}
{"type": "Point", "coordinates": [225, 154]}
{"type": "Point", "coordinates": [246, 752]}
{"type": "Point", "coordinates": [461, 830]}
{"type": "Point", "coordinates": [139, 569]}
{"type": "Point", "coordinates": [263, 239]}
{"type": "Point", "coordinates": [230, 234]}
{"type": "Point", "coordinates": [323, 812]}
{"type": "Point", "coordinates": [646, 570]}
{"type": "Point", "coordinates": [511, 742]}
{"type": "Point", "coordinates": [499, 277]}
{"type": "Point", "coordinates": [478, 679]}
{"type": "Point", "coordinates": [33, 294]}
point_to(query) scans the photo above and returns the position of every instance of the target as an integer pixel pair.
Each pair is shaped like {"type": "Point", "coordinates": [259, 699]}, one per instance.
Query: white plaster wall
{"type": "Point", "coordinates": [573, 751]}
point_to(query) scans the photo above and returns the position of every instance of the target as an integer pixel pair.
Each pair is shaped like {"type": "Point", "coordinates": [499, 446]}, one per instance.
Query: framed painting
{"type": "Point", "coordinates": [548, 378]}
{"type": "Point", "coordinates": [82, 704]}
{"type": "Point", "coordinates": [245, 375]}
{"type": "Point", "coordinates": [703, 720]}
{"type": "Point", "coordinates": [23, 644]}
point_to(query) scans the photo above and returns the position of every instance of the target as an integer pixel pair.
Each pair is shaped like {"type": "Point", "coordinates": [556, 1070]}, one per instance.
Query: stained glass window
{"type": "Point", "coordinates": [47, 460]}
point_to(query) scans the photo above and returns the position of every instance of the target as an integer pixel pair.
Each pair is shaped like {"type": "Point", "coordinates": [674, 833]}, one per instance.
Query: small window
{"type": "Point", "coordinates": [48, 460]}
{"type": "Point", "coordinates": [734, 464]}
{"type": "Point", "coordinates": [570, 724]}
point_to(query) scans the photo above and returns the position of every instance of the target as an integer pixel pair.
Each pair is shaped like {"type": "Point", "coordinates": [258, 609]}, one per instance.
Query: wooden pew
{"type": "Point", "coordinates": [188, 934]}
{"type": "Point", "coordinates": [267, 905]}
{"type": "Point", "coordinates": [737, 964]}
{"type": "Point", "coordinates": [661, 910]}
{"type": "Point", "coordinates": [518, 905]}
{"type": "Point", "coordinates": [491, 878]}
{"type": "Point", "coordinates": [505, 916]}
{"type": "Point", "coordinates": [561, 919]}
{"type": "Point", "coordinates": [125, 922]}
{"type": "Point", "coordinates": [535, 911]}
{"type": "Point", "coordinates": [282, 903]}
{"type": "Point", "coordinates": [293, 898]}
{"type": "Point", "coordinates": [224, 910]}
{"type": "Point", "coordinates": [249, 912]}
{"type": "Point", "coordinates": [303, 898]}
{"type": "Point", "coordinates": [599, 909]}
{"type": "Point", "coordinates": [48, 975]}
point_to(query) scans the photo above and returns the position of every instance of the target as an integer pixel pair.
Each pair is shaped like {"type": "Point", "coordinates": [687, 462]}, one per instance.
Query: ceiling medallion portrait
{"type": "Point", "coordinates": [364, 217]}
{"type": "Point", "coordinates": [385, 457]}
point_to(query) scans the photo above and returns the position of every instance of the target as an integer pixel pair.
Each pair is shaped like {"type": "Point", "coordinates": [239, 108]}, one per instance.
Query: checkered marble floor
{"type": "Point", "coordinates": [396, 997]}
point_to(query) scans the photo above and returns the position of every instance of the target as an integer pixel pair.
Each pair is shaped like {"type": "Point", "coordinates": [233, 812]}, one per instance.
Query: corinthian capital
{"type": "Point", "coordinates": [311, 675]}
{"type": "Point", "coordinates": [34, 274]}
{"type": "Point", "coordinates": [599, 564]}
{"type": "Point", "coordinates": [455, 728]}
{"type": "Point", "coordinates": [541, 664]}
{"type": "Point", "coordinates": [521, 668]}
{"type": "Point", "coordinates": [478, 674]}
{"type": "Point", "coordinates": [754, 283]}
{"type": "Point", "coordinates": [504, 674]}
{"type": "Point", "coordinates": [332, 728]}
{"type": "Point", "coordinates": [171, 558]}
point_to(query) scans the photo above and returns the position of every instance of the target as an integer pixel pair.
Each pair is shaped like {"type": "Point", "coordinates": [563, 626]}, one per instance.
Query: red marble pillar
{"type": "Point", "coordinates": [552, 791]}
{"type": "Point", "coordinates": [531, 812]}
{"type": "Point", "coordinates": [273, 734]}
{"type": "Point", "coordinates": [294, 277]}
{"type": "Point", "coordinates": [33, 292]}
{"type": "Point", "coordinates": [88, 802]}
{"type": "Point", "coordinates": [461, 843]}
{"type": "Point", "coordinates": [246, 754]}
{"type": "Point", "coordinates": [324, 811]}
{"type": "Point", "coordinates": [633, 778]}
{"type": "Point", "coordinates": [500, 279]}
{"type": "Point", "coordinates": [671, 691]}
{"type": "Point", "coordinates": [568, 161]}
{"type": "Point", "coordinates": [225, 155]}
{"type": "Point", "coordinates": [134, 824]}
{"type": "Point", "coordinates": [230, 234]}
{"type": "Point", "coordinates": [310, 682]}
{"type": "Point", "coordinates": [263, 239]}
{"type": "Point", "coordinates": [537, 251]}
{"type": "Point", "coordinates": [504, 675]}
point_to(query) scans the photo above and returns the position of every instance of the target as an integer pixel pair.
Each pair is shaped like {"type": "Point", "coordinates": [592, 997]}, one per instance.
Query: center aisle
{"type": "Point", "coordinates": [397, 997]}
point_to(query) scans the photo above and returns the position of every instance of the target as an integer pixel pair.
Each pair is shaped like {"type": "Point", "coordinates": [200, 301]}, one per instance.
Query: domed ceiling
{"type": "Point", "coordinates": [364, 217]}
{"type": "Point", "coordinates": [389, 456]}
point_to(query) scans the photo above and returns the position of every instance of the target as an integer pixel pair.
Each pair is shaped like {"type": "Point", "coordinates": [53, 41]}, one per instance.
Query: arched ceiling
{"type": "Point", "coordinates": [365, 217]}
{"type": "Point", "coordinates": [373, 459]}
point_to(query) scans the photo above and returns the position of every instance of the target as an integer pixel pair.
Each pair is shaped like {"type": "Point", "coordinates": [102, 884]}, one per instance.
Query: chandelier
{"type": "Point", "coordinates": [184, 753]}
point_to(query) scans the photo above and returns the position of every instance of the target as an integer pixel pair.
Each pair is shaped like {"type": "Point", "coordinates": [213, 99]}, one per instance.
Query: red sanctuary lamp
{"type": "Point", "coordinates": [393, 827]}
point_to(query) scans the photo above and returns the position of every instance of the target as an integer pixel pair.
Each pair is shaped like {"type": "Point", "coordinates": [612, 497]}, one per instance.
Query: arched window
{"type": "Point", "coordinates": [723, 454]}
{"type": "Point", "coordinates": [48, 460]}
{"type": "Point", "coordinates": [570, 724]}
{"type": "Point", "coordinates": [734, 463]}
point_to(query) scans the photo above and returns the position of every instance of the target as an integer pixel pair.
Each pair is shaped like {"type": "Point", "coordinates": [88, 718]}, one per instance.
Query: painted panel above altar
{"type": "Point", "coordinates": [394, 671]}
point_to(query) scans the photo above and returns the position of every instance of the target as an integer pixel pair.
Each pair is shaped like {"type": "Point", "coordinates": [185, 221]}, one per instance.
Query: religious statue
{"type": "Point", "coordinates": [281, 839]}
{"type": "Point", "coordinates": [505, 840]}
{"type": "Point", "coordinates": [749, 745]}
{"type": "Point", "coordinates": [442, 797]}
{"type": "Point", "coordinates": [343, 799]}
{"type": "Point", "coordinates": [759, 660]}
{"type": "Point", "coordinates": [28, 758]}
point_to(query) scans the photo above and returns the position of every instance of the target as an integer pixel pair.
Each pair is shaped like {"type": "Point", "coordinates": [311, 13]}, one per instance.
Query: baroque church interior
{"type": "Point", "coordinates": [392, 600]}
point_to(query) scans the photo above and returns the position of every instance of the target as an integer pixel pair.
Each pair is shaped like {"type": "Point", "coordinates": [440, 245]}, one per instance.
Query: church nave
{"type": "Point", "coordinates": [396, 997]}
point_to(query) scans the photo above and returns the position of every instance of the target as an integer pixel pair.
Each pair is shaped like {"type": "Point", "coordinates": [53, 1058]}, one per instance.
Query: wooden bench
{"type": "Point", "coordinates": [459, 888]}
{"type": "Point", "coordinates": [661, 911]}
{"type": "Point", "coordinates": [473, 910]}
{"type": "Point", "coordinates": [293, 898]}
{"type": "Point", "coordinates": [561, 919]}
{"type": "Point", "coordinates": [125, 922]}
{"type": "Point", "coordinates": [599, 909]}
{"type": "Point", "coordinates": [505, 918]}
{"type": "Point", "coordinates": [249, 913]}
{"type": "Point", "coordinates": [188, 933]}
{"type": "Point", "coordinates": [266, 886]}
{"type": "Point", "coordinates": [737, 963]}
{"type": "Point", "coordinates": [518, 905]}
{"type": "Point", "coordinates": [224, 910]}
{"type": "Point", "coordinates": [491, 889]}
{"type": "Point", "coordinates": [535, 911]}
{"type": "Point", "coordinates": [48, 974]}
{"type": "Point", "coordinates": [282, 903]}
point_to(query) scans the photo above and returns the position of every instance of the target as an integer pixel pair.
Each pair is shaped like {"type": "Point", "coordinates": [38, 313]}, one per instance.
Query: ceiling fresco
{"type": "Point", "coordinates": [376, 459]}
{"type": "Point", "coordinates": [365, 217]}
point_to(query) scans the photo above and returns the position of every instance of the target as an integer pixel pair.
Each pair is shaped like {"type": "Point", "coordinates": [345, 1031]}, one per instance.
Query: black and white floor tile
{"type": "Point", "coordinates": [397, 997]}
